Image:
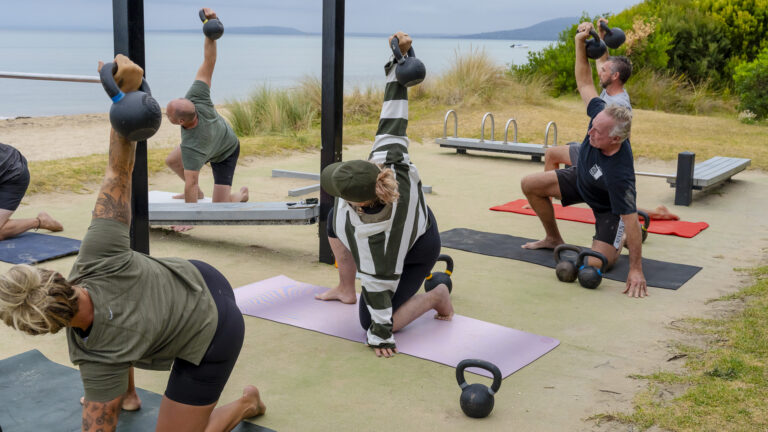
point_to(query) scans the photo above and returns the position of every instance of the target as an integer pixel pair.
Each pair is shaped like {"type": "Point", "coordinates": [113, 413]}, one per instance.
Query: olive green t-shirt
{"type": "Point", "coordinates": [146, 311]}
{"type": "Point", "coordinates": [212, 140]}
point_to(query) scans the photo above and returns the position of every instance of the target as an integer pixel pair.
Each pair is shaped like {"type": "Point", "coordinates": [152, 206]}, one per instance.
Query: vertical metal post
{"type": "Point", "coordinates": [684, 181]}
{"type": "Point", "coordinates": [332, 107]}
{"type": "Point", "coordinates": [128, 30]}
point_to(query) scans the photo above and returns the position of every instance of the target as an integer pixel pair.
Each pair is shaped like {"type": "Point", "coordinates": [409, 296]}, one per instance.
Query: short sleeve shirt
{"type": "Point", "coordinates": [147, 311]}
{"type": "Point", "coordinates": [211, 140]}
{"type": "Point", "coordinates": [621, 98]}
{"type": "Point", "coordinates": [607, 183]}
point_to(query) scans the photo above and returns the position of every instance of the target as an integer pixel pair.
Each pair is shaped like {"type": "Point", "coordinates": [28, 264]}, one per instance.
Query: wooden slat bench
{"type": "Point", "coordinates": [702, 176]}
{"type": "Point", "coordinates": [536, 151]}
{"type": "Point", "coordinates": [255, 213]}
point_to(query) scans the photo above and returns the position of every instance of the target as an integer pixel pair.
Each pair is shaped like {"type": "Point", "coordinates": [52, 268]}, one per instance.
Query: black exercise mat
{"type": "Point", "coordinates": [31, 248]}
{"type": "Point", "coordinates": [37, 394]}
{"type": "Point", "coordinates": [658, 274]}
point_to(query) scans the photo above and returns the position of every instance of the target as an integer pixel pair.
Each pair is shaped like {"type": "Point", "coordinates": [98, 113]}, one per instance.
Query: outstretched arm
{"type": "Point", "coordinates": [205, 73]}
{"type": "Point", "coordinates": [604, 58]}
{"type": "Point", "coordinates": [582, 69]}
{"type": "Point", "coordinates": [636, 285]}
{"type": "Point", "coordinates": [114, 200]}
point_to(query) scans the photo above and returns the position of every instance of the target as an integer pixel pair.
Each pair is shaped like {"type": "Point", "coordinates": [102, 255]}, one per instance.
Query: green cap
{"type": "Point", "coordinates": [354, 181]}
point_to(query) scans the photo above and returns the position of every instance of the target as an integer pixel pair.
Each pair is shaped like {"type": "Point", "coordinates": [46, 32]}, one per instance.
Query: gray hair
{"type": "Point", "coordinates": [622, 116]}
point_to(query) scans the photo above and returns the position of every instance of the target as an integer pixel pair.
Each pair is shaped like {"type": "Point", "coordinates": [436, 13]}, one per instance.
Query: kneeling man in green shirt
{"type": "Point", "coordinates": [205, 136]}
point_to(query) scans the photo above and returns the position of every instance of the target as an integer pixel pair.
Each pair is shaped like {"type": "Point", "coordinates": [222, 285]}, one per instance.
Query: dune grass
{"type": "Point", "coordinates": [724, 384]}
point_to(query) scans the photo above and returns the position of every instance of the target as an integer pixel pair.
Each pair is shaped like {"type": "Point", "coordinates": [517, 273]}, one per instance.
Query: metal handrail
{"type": "Point", "coordinates": [546, 135]}
{"type": "Point", "coordinates": [50, 77]}
{"type": "Point", "coordinates": [506, 130]}
{"type": "Point", "coordinates": [455, 124]}
{"type": "Point", "coordinates": [482, 127]}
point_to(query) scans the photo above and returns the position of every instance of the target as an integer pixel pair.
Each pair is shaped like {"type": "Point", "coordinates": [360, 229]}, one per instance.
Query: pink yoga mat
{"type": "Point", "coordinates": [286, 301]}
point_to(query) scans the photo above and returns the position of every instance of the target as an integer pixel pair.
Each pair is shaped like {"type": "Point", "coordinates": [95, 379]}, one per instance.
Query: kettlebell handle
{"type": "Point", "coordinates": [590, 253]}
{"type": "Point", "coordinates": [482, 364]}
{"type": "Point", "coordinates": [448, 263]}
{"type": "Point", "coordinates": [107, 77]}
{"type": "Point", "coordinates": [565, 247]}
{"type": "Point", "coordinates": [605, 27]}
{"type": "Point", "coordinates": [646, 219]}
{"type": "Point", "coordinates": [594, 35]}
{"type": "Point", "coordinates": [394, 44]}
{"type": "Point", "coordinates": [202, 16]}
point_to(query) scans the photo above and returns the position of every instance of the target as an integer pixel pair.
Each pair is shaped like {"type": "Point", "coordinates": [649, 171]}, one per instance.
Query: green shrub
{"type": "Point", "coordinates": [751, 83]}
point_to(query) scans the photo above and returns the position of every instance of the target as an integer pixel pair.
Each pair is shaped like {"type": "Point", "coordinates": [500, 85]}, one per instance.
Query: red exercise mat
{"type": "Point", "coordinates": [578, 214]}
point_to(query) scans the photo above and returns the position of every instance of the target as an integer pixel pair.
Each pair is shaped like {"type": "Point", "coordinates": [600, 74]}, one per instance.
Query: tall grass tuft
{"type": "Point", "coordinates": [472, 78]}
{"type": "Point", "coordinates": [669, 92]}
{"type": "Point", "coordinates": [270, 110]}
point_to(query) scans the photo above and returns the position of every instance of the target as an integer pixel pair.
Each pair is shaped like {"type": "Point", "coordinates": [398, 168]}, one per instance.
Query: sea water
{"type": "Point", "coordinates": [244, 63]}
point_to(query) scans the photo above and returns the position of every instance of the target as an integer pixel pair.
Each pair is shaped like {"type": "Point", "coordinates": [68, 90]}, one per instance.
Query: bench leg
{"type": "Point", "coordinates": [684, 181]}
{"type": "Point", "coordinates": [461, 151]}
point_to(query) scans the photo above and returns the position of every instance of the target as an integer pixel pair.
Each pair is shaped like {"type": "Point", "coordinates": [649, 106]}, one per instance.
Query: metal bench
{"type": "Point", "coordinates": [256, 213]}
{"type": "Point", "coordinates": [536, 151]}
{"type": "Point", "coordinates": [702, 176]}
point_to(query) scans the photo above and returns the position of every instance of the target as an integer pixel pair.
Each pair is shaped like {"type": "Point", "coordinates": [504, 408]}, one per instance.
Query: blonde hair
{"type": "Point", "coordinates": [386, 186]}
{"type": "Point", "coordinates": [36, 301]}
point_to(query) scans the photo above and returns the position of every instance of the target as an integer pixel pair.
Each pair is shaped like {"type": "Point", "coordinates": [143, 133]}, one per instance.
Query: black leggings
{"type": "Point", "coordinates": [418, 264]}
{"type": "Point", "coordinates": [202, 384]}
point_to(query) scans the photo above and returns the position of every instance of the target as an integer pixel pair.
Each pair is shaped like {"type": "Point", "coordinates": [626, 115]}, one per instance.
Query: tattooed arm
{"type": "Point", "coordinates": [101, 416]}
{"type": "Point", "coordinates": [114, 201]}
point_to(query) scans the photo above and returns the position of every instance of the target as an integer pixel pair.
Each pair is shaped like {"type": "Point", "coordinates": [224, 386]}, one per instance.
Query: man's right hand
{"type": "Point", "coordinates": [404, 40]}
{"type": "Point", "coordinates": [600, 30]}
{"type": "Point", "coordinates": [209, 13]}
{"type": "Point", "coordinates": [582, 31]}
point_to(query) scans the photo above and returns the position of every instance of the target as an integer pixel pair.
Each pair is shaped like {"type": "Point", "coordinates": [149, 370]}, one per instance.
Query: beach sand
{"type": "Point", "coordinates": [58, 137]}
{"type": "Point", "coordinates": [314, 382]}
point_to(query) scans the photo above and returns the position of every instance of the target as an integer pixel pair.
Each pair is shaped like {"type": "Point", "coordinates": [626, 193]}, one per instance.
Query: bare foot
{"type": "Point", "coordinates": [546, 243]}
{"type": "Point", "coordinates": [199, 195]}
{"type": "Point", "coordinates": [444, 307]}
{"type": "Point", "coordinates": [256, 406]}
{"type": "Point", "coordinates": [662, 213]}
{"type": "Point", "coordinates": [181, 228]}
{"type": "Point", "coordinates": [244, 194]}
{"type": "Point", "coordinates": [342, 295]}
{"type": "Point", "coordinates": [131, 401]}
{"type": "Point", "coordinates": [49, 223]}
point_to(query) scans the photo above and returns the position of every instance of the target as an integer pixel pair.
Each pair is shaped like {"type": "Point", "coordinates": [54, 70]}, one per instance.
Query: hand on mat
{"type": "Point", "coordinates": [636, 286]}
{"type": "Point", "coordinates": [131, 401]}
{"type": "Point", "coordinates": [181, 228]}
{"type": "Point", "coordinates": [385, 352]}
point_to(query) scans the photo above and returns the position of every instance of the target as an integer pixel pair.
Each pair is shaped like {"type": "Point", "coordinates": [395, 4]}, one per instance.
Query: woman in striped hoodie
{"type": "Point", "coordinates": [381, 228]}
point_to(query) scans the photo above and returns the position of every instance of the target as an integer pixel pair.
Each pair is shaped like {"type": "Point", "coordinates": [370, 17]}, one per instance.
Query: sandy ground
{"type": "Point", "coordinates": [314, 382]}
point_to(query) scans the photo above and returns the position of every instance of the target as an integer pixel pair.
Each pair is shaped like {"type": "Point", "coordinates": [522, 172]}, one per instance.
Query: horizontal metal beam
{"type": "Point", "coordinates": [295, 174]}
{"type": "Point", "coordinates": [50, 77]}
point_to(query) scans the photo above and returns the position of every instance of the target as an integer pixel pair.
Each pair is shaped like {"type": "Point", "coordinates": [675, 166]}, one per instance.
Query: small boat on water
{"type": "Point", "coordinates": [518, 46]}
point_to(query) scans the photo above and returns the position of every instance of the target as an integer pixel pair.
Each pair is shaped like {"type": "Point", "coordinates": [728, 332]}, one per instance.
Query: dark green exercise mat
{"type": "Point", "coordinates": [37, 394]}
{"type": "Point", "coordinates": [659, 274]}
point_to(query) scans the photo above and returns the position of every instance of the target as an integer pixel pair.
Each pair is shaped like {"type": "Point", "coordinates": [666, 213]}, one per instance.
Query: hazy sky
{"type": "Point", "coordinates": [368, 16]}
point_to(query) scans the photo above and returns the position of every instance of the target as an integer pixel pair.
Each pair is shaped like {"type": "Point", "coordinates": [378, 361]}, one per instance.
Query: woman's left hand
{"type": "Point", "coordinates": [385, 352]}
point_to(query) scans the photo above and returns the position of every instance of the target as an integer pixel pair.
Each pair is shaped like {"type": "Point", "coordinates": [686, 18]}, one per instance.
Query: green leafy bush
{"type": "Point", "coordinates": [751, 84]}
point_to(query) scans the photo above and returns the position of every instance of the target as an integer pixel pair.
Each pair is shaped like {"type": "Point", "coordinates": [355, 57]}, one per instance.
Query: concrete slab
{"type": "Point", "coordinates": [313, 382]}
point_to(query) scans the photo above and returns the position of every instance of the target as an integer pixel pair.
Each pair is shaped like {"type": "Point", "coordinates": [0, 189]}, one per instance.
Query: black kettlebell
{"type": "Point", "coordinates": [134, 115]}
{"type": "Point", "coordinates": [595, 47]}
{"type": "Point", "coordinates": [614, 37]}
{"type": "Point", "coordinates": [566, 268]}
{"type": "Point", "coordinates": [212, 28]}
{"type": "Point", "coordinates": [410, 70]}
{"type": "Point", "coordinates": [646, 223]}
{"type": "Point", "coordinates": [436, 278]}
{"type": "Point", "coordinates": [477, 399]}
{"type": "Point", "coordinates": [589, 276]}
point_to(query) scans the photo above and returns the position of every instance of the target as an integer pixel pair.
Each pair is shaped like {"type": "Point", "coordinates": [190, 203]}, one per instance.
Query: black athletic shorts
{"type": "Point", "coordinates": [202, 384]}
{"type": "Point", "coordinates": [12, 191]}
{"type": "Point", "coordinates": [224, 171]}
{"type": "Point", "coordinates": [418, 264]}
{"type": "Point", "coordinates": [609, 227]}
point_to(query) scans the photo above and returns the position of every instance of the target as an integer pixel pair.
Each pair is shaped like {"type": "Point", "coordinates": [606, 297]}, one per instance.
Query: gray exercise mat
{"type": "Point", "coordinates": [32, 248]}
{"type": "Point", "coordinates": [37, 394]}
{"type": "Point", "coordinates": [659, 274]}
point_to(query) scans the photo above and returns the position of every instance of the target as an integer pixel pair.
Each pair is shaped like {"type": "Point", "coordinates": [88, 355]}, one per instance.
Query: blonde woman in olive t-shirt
{"type": "Point", "coordinates": [123, 309]}
{"type": "Point", "coordinates": [205, 136]}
